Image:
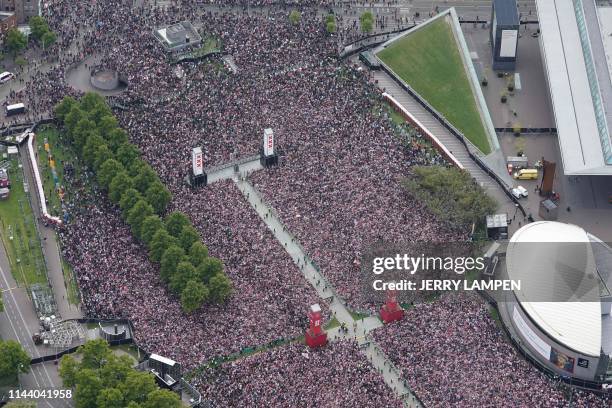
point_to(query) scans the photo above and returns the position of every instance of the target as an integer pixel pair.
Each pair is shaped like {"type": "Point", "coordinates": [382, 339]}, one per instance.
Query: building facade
{"type": "Point", "coordinates": [23, 9]}
{"type": "Point", "coordinates": [7, 21]}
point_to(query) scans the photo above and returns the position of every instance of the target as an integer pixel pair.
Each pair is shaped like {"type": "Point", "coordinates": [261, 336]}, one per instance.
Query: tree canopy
{"type": "Point", "coordinates": [142, 197]}
{"type": "Point", "coordinates": [451, 195]}
{"type": "Point", "coordinates": [15, 41]}
{"type": "Point", "coordinates": [330, 23]}
{"type": "Point", "coordinates": [104, 380]}
{"type": "Point", "coordinates": [295, 17]}
{"type": "Point", "coordinates": [40, 31]}
{"type": "Point", "coordinates": [366, 21]}
{"type": "Point", "coordinates": [14, 359]}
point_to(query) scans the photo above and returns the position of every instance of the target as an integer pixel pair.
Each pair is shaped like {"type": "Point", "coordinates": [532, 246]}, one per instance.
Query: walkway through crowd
{"type": "Point", "coordinates": [358, 329]}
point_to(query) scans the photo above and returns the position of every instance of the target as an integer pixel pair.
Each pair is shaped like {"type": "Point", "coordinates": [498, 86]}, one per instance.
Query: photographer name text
{"type": "Point", "coordinates": [447, 284]}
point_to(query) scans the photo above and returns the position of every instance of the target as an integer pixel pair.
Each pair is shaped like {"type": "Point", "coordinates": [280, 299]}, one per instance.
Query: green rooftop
{"type": "Point", "coordinates": [428, 60]}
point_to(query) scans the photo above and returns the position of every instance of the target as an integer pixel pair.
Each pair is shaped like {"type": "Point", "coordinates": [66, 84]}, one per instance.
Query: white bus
{"type": "Point", "coordinates": [6, 76]}
{"type": "Point", "coordinates": [15, 109]}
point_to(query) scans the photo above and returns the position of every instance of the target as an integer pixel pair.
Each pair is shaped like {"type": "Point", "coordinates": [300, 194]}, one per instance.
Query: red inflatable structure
{"type": "Point", "coordinates": [315, 336]}
{"type": "Point", "coordinates": [391, 310]}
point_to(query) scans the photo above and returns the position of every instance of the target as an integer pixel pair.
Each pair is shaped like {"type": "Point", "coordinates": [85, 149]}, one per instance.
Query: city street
{"type": "Point", "coordinates": [18, 322]}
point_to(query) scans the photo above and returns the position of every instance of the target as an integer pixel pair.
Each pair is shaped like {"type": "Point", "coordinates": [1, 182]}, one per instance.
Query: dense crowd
{"type": "Point", "coordinates": [453, 355]}
{"type": "Point", "coordinates": [337, 188]}
{"type": "Point", "coordinates": [270, 301]}
{"type": "Point", "coordinates": [294, 376]}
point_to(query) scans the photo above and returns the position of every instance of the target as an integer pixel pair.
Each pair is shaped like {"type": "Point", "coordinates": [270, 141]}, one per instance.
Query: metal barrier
{"type": "Point", "coordinates": [232, 164]}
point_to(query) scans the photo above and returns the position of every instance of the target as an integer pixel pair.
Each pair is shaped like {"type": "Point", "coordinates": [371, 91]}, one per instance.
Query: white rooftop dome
{"type": "Point", "coordinates": [559, 283]}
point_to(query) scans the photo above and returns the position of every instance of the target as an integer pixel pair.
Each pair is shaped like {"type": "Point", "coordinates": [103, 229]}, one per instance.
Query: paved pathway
{"type": "Point", "coordinates": [358, 329]}
{"type": "Point", "coordinates": [223, 172]}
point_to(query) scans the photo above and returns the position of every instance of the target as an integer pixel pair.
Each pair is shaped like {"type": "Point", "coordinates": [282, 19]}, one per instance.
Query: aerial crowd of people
{"type": "Point", "coordinates": [337, 188]}
{"type": "Point", "coordinates": [336, 375]}
{"type": "Point", "coordinates": [454, 345]}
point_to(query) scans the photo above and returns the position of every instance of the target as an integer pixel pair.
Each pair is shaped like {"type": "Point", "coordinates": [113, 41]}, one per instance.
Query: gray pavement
{"type": "Point", "coordinates": [586, 196]}
{"type": "Point", "coordinates": [18, 322]}
{"type": "Point", "coordinates": [528, 107]}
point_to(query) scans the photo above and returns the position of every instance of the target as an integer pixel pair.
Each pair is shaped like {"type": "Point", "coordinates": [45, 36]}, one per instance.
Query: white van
{"type": "Point", "coordinates": [6, 76]}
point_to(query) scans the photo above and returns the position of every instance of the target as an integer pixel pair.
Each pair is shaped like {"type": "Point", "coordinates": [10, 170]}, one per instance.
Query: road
{"type": "Point", "coordinates": [18, 322]}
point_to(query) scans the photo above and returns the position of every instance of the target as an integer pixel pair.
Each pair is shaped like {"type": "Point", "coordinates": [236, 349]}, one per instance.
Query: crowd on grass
{"type": "Point", "coordinates": [337, 375]}
{"type": "Point", "coordinates": [454, 345]}
{"type": "Point", "coordinates": [336, 188]}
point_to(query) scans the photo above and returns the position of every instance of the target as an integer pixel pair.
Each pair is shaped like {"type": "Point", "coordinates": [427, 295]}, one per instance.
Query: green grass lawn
{"type": "Point", "coordinates": [129, 349]}
{"type": "Point", "coordinates": [19, 232]}
{"type": "Point", "coordinates": [71, 285]}
{"type": "Point", "coordinates": [358, 316]}
{"type": "Point", "coordinates": [332, 324]}
{"type": "Point", "coordinates": [429, 61]}
{"type": "Point", "coordinates": [210, 44]}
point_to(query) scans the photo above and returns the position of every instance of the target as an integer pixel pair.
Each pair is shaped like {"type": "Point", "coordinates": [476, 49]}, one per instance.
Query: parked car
{"type": "Point", "coordinates": [6, 76]}
{"type": "Point", "coordinates": [523, 191]}
{"type": "Point", "coordinates": [526, 174]}
{"type": "Point", "coordinates": [519, 192]}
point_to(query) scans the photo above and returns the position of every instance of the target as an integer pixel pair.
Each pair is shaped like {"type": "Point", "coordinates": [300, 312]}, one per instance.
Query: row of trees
{"type": "Point", "coordinates": [366, 21]}
{"type": "Point", "coordinates": [135, 187]}
{"type": "Point", "coordinates": [15, 41]}
{"type": "Point", "coordinates": [104, 380]}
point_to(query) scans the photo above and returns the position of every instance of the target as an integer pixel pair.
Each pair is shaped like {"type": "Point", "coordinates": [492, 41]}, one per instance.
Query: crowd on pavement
{"type": "Point", "coordinates": [295, 376]}
{"type": "Point", "coordinates": [337, 188]}
{"type": "Point", "coordinates": [453, 354]}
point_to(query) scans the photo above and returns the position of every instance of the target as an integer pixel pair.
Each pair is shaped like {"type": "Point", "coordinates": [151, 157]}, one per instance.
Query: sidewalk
{"type": "Point", "coordinates": [357, 329]}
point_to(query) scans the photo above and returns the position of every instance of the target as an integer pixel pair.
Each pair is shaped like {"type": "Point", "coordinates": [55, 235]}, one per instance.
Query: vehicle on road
{"type": "Point", "coordinates": [15, 109]}
{"type": "Point", "coordinates": [526, 174]}
{"type": "Point", "coordinates": [6, 76]}
{"type": "Point", "coordinates": [523, 191]}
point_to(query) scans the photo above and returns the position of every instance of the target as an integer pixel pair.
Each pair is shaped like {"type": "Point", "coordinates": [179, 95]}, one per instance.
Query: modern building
{"type": "Point", "coordinates": [504, 34]}
{"type": "Point", "coordinates": [179, 36]}
{"type": "Point", "coordinates": [561, 314]}
{"type": "Point", "coordinates": [576, 47]}
{"type": "Point", "coordinates": [23, 9]}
